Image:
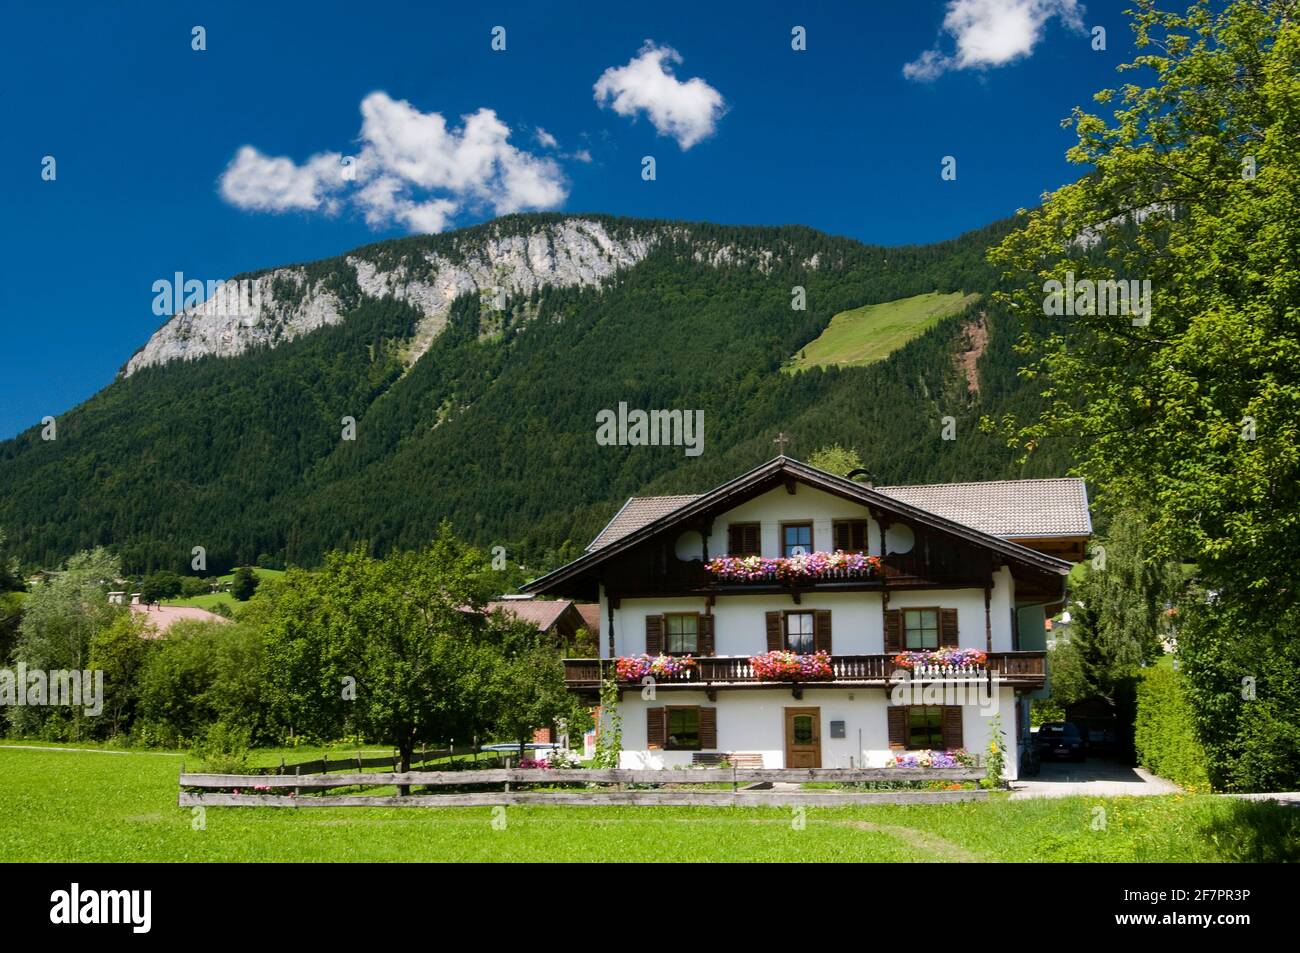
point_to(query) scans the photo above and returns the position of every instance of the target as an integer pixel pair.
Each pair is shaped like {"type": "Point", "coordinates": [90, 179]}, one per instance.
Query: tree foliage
{"type": "Point", "coordinates": [1192, 419]}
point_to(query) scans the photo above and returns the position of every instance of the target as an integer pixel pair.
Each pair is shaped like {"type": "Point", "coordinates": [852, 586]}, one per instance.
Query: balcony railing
{"type": "Point", "coordinates": [1026, 669]}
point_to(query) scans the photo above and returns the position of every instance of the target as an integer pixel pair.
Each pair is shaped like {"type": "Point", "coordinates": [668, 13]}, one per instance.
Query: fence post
{"type": "Point", "coordinates": [325, 763]}
{"type": "Point", "coordinates": [359, 769]}
{"type": "Point", "coordinates": [281, 764]}
{"type": "Point", "coordinates": [297, 771]}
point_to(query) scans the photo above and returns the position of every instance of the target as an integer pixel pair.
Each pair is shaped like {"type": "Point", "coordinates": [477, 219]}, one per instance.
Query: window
{"type": "Point", "coordinates": [799, 632]}
{"type": "Point", "coordinates": [850, 535]}
{"type": "Point", "coordinates": [925, 727]}
{"type": "Point", "coordinates": [681, 633]}
{"type": "Point", "coordinates": [921, 628]}
{"type": "Point", "coordinates": [744, 539]}
{"type": "Point", "coordinates": [683, 728]}
{"type": "Point", "coordinates": [796, 538]}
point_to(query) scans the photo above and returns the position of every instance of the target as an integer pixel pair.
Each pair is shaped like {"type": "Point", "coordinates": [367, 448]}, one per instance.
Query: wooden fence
{"type": "Point", "coordinates": [324, 764]}
{"type": "Point", "coordinates": [592, 787]}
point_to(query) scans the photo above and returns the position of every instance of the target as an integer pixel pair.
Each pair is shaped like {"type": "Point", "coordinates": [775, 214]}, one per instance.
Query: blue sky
{"type": "Point", "coordinates": [224, 160]}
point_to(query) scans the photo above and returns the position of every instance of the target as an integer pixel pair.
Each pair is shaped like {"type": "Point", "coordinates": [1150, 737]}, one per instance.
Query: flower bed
{"type": "Point", "coordinates": [941, 658]}
{"type": "Point", "coordinates": [958, 758]}
{"type": "Point", "coordinates": [632, 668]}
{"type": "Point", "coordinates": [805, 566]}
{"type": "Point", "coordinates": [791, 666]}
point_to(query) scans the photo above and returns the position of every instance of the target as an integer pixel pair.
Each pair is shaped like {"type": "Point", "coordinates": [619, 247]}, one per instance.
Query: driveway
{"type": "Point", "coordinates": [1094, 777]}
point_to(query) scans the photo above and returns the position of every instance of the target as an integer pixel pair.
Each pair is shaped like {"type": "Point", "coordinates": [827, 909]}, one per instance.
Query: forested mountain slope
{"type": "Point", "coordinates": [230, 435]}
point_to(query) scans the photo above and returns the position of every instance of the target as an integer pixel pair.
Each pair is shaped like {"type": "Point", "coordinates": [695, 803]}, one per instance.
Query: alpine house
{"type": "Point", "coordinates": [795, 618]}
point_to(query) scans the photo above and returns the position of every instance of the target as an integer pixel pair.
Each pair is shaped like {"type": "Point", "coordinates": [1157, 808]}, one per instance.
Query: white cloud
{"type": "Point", "coordinates": [687, 111]}
{"type": "Point", "coordinates": [412, 170]}
{"type": "Point", "coordinates": [582, 155]}
{"type": "Point", "coordinates": [545, 139]}
{"type": "Point", "coordinates": [991, 33]}
{"type": "Point", "coordinates": [266, 184]}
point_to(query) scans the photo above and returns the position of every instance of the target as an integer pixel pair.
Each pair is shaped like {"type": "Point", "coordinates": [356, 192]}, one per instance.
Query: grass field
{"type": "Point", "coordinates": [102, 806]}
{"type": "Point", "coordinates": [870, 333]}
{"type": "Point", "coordinates": [210, 600]}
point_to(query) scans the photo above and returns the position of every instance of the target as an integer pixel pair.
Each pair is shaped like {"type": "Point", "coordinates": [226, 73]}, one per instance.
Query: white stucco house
{"type": "Point", "coordinates": [800, 619]}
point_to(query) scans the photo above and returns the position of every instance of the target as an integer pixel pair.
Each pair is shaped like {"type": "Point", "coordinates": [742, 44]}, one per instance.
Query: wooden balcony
{"type": "Point", "coordinates": [1017, 669]}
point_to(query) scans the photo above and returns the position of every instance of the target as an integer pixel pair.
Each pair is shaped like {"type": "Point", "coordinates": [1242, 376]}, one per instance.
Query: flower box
{"type": "Point", "coordinates": [942, 661]}
{"type": "Point", "coordinates": [792, 667]}
{"type": "Point", "coordinates": [958, 758]}
{"type": "Point", "coordinates": [633, 668]}
{"type": "Point", "coordinates": [818, 565]}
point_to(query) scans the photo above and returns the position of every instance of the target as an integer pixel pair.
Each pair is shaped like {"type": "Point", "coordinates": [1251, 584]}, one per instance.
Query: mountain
{"type": "Point", "coordinates": [474, 365]}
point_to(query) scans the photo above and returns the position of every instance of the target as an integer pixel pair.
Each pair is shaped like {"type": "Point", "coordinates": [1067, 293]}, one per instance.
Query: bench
{"type": "Point", "coordinates": [712, 759]}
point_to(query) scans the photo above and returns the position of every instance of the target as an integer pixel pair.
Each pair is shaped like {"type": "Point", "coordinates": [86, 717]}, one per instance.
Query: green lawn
{"type": "Point", "coordinates": [210, 600]}
{"type": "Point", "coordinates": [73, 806]}
{"type": "Point", "coordinates": [870, 333]}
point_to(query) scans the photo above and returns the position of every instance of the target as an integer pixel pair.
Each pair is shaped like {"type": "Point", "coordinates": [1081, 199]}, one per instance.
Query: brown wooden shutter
{"type": "Point", "coordinates": [897, 715]}
{"type": "Point", "coordinates": [952, 727]}
{"type": "Point", "coordinates": [822, 630]}
{"type": "Point", "coordinates": [654, 634]}
{"type": "Point", "coordinates": [704, 628]}
{"type": "Point", "coordinates": [842, 535]}
{"type": "Point", "coordinates": [733, 540]}
{"type": "Point", "coordinates": [656, 730]}
{"type": "Point", "coordinates": [708, 728]}
{"type": "Point", "coordinates": [775, 640]}
{"type": "Point", "coordinates": [744, 539]}
{"type": "Point", "coordinates": [948, 627]}
{"type": "Point", "coordinates": [894, 630]}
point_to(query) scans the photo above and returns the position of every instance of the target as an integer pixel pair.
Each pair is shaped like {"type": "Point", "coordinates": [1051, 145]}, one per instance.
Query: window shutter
{"type": "Point", "coordinates": [656, 731]}
{"type": "Point", "coordinates": [948, 628]}
{"type": "Point", "coordinates": [894, 630]}
{"type": "Point", "coordinates": [708, 728]}
{"type": "Point", "coordinates": [704, 628]}
{"type": "Point", "coordinates": [897, 715]}
{"type": "Point", "coordinates": [734, 547]}
{"type": "Point", "coordinates": [775, 642]}
{"type": "Point", "coordinates": [743, 539]}
{"type": "Point", "coordinates": [654, 634]}
{"type": "Point", "coordinates": [822, 631]}
{"type": "Point", "coordinates": [952, 727]}
{"type": "Point", "coordinates": [843, 538]}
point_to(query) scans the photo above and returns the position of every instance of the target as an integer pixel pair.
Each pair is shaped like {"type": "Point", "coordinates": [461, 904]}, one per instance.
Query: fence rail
{"type": "Point", "coordinates": [230, 790]}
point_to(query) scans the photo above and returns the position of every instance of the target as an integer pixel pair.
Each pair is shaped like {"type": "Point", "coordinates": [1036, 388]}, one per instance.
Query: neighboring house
{"type": "Point", "coordinates": [163, 618]}
{"type": "Point", "coordinates": [559, 617]}
{"type": "Point", "coordinates": [941, 581]}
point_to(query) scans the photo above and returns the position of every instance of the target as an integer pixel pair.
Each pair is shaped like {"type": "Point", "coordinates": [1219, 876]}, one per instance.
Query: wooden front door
{"type": "Point", "coordinates": [803, 738]}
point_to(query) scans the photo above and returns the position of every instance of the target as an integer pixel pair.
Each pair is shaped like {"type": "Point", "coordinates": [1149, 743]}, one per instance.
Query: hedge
{"type": "Point", "coordinates": [1164, 735]}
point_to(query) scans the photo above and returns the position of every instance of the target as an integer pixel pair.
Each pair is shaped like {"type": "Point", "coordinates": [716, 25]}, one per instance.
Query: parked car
{"type": "Point", "coordinates": [1060, 739]}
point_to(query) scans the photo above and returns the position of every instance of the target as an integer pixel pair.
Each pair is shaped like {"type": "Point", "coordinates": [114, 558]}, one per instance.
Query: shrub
{"type": "Point", "coordinates": [1165, 733]}
{"type": "Point", "coordinates": [202, 673]}
{"type": "Point", "coordinates": [223, 749]}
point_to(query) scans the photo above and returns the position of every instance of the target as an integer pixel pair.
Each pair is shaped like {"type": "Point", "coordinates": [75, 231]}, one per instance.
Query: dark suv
{"type": "Point", "coordinates": [1060, 739]}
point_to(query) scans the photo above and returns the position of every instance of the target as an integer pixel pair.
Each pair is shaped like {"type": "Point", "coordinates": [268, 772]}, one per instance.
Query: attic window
{"type": "Point", "coordinates": [744, 539]}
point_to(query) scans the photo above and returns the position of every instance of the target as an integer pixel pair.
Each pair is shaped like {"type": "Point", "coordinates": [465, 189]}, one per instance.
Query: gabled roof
{"type": "Point", "coordinates": [758, 480]}
{"type": "Point", "coordinates": [1012, 509]}
{"type": "Point", "coordinates": [637, 512]}
{"type": "Point", "coordinates": [542, 613]}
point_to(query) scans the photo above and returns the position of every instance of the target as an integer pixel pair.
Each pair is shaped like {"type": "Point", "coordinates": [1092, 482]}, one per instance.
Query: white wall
{"type": "Point", "coordinates": [752, 721]}
{"type": "Point", "coordinates": [807, 504]}
{"type": "Point", "coordinates": [857, 623]}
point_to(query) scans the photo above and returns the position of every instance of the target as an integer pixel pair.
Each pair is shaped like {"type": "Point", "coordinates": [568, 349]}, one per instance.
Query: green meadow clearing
{"type": "Point", "coordinates": [211, 600]}
{"type": "Point", "coordinates": [65, 805]}
{"type": "Point", "coordinates": [872, 332]}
